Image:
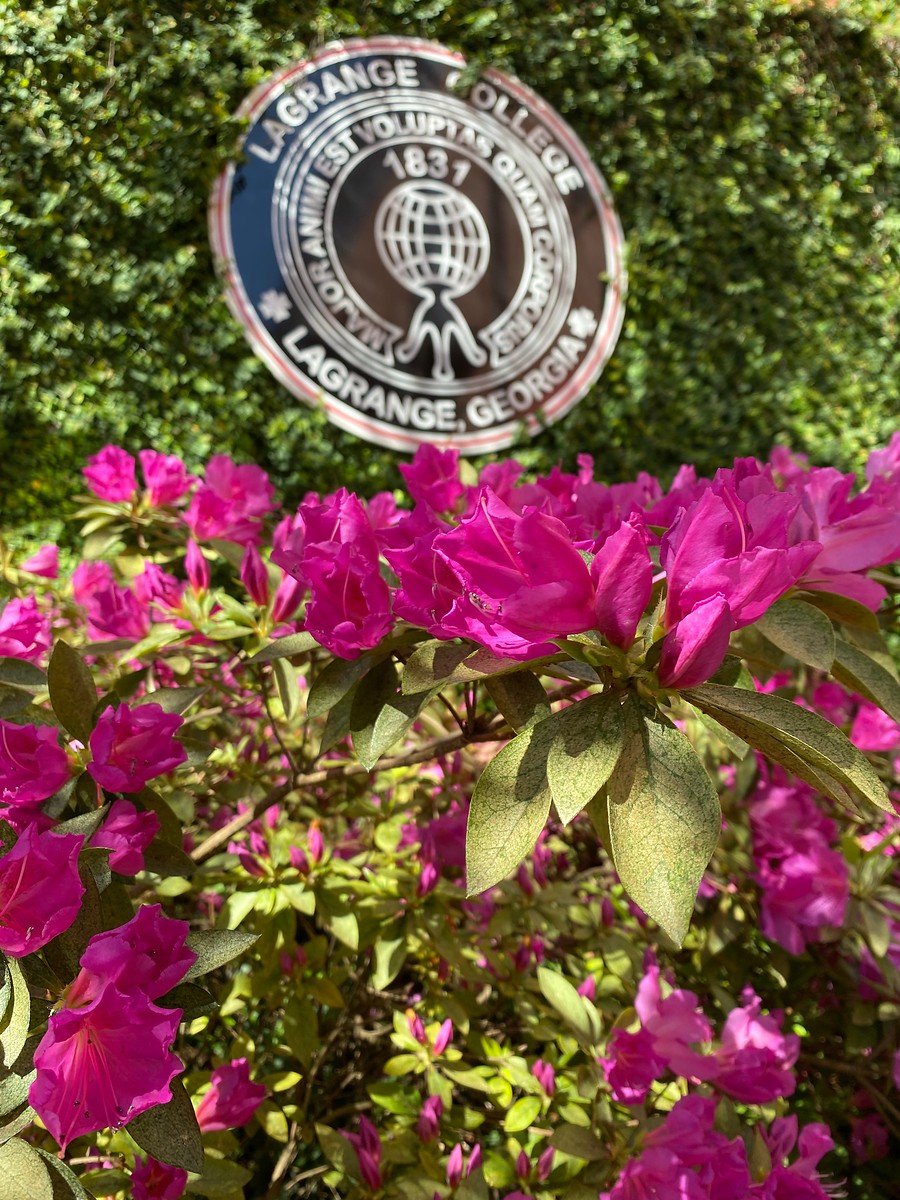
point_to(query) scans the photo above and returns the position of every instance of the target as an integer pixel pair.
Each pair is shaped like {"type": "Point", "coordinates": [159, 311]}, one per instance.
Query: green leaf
{"type": "Point", "coordinates": [106, 1182]}
{"type": "Point", "coordinates": [84, 823]}
{"type": "Point", "coordinates": [172, 700]}
{"type": "Point", "coordinates": [381, 713]}
{"type": "Point", "coordinates": [14, 1091]}
{"type": "Point", "coordinates": [862, 674]}
{"type": "Point", "coordinates": [337, 723]}
{"type": "Point", "coordinates": [192, 1000]}
{"type": "Point", "coordinates": [575, 1010]}
{"type": "Point", "coordinates": [17, 673]}
{"type": "Point", "coordinates": [301, 1029]}
{"type": "Point", "coordinates": [664, 820]}
{"type": "Point", "coordinates": [338, 1151]}
{"type": "Point", "coordinates": [800, 630]}
{"type": "Point", "coordinates": [842, 609]}
{"type": "Point", "coordinates": [390, 955]}
{"type": "Point", "coordinates": [221, 1179]}
{"type": "Point", "coordinates": [24, 1174]}
{"type": "Point", "coordinates": [520, 697]}
{"type": "Point", "coordinates": [579, 1143]}
{"type": "Point", "coordinates": [522, 1114]}
{"type": "Point", "coordinates": [286, 647]}
{"type": "Point", "coordinates": [66, 1182]}
{"type": "Point", "coordinates": [586, 743]}
{"type": "Point", "coordinates": [437, 663]}
{"type": "Point", "coordinates": [162, 858]}
{"type": "Point", "coordinates": [170, 1131]}
{"type": "Point", "coordinates": [16, 1020]}
{"type": "Point", "coordinates": [72, 691]}
{"type": "Point", "coordinates": [872, 643]}
{"type": "Point", "coordinates": [776, 726]}
{"type": "Point", "coordinates": [286, 680]}
{"type": "Point", "coordinates": [509, 808]}
{"type": "Point", "coordinates": [334, 682]}
{"type": "Point", "coordinates": [215, 947]}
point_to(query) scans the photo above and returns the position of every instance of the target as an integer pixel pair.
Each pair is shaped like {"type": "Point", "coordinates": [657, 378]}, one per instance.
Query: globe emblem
{"type": "Point", "coordinates": [434, 242]}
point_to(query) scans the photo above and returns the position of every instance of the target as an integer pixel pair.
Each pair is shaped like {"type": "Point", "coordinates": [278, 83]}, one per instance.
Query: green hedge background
{"type": "Point", "coordinates": [751, 146]}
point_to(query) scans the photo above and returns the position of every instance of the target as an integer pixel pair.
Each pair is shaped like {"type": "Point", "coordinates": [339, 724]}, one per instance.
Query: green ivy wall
{"type": "Point", "coordinates": [751, 146]}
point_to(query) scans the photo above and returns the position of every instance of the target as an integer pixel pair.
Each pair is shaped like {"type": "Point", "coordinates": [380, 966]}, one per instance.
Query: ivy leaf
{"type": "Point", "coordinates": [170, 1131]}
{"type": "Point", "coordinates": [792, 735]}
{"type": "Point", "coordinates": [856, 670]}
{"type": "Point", "coordinates": [801, 630]}
{"type": "Point", "coordinates": [664, 820]}
{"type": "Point", "coordinates": [72, 691]}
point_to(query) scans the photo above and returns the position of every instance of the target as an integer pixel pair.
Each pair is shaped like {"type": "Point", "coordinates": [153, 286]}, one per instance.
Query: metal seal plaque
{"type": "Point", "coordinates": [431, 267]}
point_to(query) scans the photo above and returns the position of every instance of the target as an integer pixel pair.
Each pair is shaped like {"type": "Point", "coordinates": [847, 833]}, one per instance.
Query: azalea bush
{"type": "Point", "coordinates": [490, 838]}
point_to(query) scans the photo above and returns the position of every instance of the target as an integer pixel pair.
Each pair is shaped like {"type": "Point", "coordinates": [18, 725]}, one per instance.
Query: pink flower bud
{"type": "Point", "coordinates": [588, 988]}
{"type": "Point", "coordinates": [428, 1123]}
{"type": "Point", "coordinates": [416, 1028]}
{"type": "Point", "coordinates": [474, 1160]}
{"type": "Point", "coordinates": [544, 1165]}
{"type": "Point", "coordinates": [315, 843]}
{"type": "Point", "coordinates": [299, 860]}
{"type": "Point", "coordinates": [428, 880]}
{"type": "Point", "coordinates": [442, 1040]}
{"type": "Point", "coordinates": [254, 576]}
{"type": "Point", "coordinates": [196, 567]}
{"type": "Point", "coordinates": [523, 1165]}
{"type": "Point", "coordinates": [455, 1165]}
{"type": "Point", "coordinates": [232, 1099]}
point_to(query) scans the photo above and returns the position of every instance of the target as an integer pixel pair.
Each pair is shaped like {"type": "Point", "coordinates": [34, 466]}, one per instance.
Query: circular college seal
{"type": "Point", "coordinates": [431, 267]}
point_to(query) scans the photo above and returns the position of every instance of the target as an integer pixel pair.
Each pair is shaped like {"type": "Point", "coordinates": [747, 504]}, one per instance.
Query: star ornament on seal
{"type": "Point", "coordinates": [428, 264]}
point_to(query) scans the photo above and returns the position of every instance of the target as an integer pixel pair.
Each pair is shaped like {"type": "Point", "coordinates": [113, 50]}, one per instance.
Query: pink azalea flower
{"type": "Point", "coordinates": [156, 587]}
{"type": "Point", "coordinates": [873, 729]}
{"type": "Point", "coordinates": [231, 1099]}
{"type": "Point", "coordinates": [545, 1075]}
{"type": "Point", "coordinates": [755, 1058]}
{"type": "Point", "coordinates": [801, 893]}
{"type": "Point", "coordinates": [44, 563]}
{"type": "Point", "coordinates": [103, 1062]}
{"type": "Point", "coordinates": [631, 1065]}
{"type": "Point", "coordinates": [148, 955]}
{"type": "Point", "coordinates": [333, 550]}
{"type": "Point", "coordinates": [33, 765]}
{"type": "Point", "coordinates": [432, 478]}
{"type": "Point", "coordinates": [131, 746]}
{"type": "Point", "coordinates": [798, 1180]}
{"type": "Point", "coordinates": [127, 833]}
{"type": "Point", "coordinates": [24, 630]}
{"type": "Point", "coordinates": [110, 474]}
{"type": "Point", "coordinates": [730, 555]}
{"type": "Point", "coordinates": [166, 477]}
{"type": "Point", "coordinates": [113, 611]}
{"type": "Point", "coordinates": [40, 890]}
{"type": "Point", "coordinates": [231, 502]}
{"type": "Point", "coordinates": [152, 1180]}
{"type": "Point", "coordinates": [455, 1166]}
{"type": "Point", "coordinates": [442, 1038]}
{"type": "Point", "coordinates": [675, 1023]}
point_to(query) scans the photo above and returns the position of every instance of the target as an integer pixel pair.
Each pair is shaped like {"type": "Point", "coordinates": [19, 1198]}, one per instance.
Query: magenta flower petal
{"type": "Point", "coordinates": [100, 1065]}
{"type": "Point", "coordinates": [695, 648]}
{"type": "Point", "coordinates": [40, 890]}
{"type": "Point", "coordinates": [622, 574]}
{"type": "Point", "coordinates": [148, 954]}
{"type": "Point", "coordinates": [33, 765]}
{"type": "Point", "coordinates": [232, 1098]}
{"type": "Point", "coordinates": [152, 1180]}
{"type": "Point", "coordinates": [127, 833]}
{"type": "Point", "coordinates": [24, 630]}
{"type": "Point", "coordinates": [131, 746]}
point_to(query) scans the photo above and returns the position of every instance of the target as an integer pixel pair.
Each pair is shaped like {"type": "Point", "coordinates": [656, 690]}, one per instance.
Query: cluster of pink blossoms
{"type": "Point", "coordinates": [752, 1063]}
{"type": "Point", "coordinates": [513, 566]}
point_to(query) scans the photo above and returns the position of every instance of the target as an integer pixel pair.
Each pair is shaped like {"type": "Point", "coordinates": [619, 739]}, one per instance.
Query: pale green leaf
{"type": "Point", "coordinates": [586, 743]}
{"type": "Point", "coordinates": [862, 674]}
{"type": "Point", "coordinates": [287, 682]}
{"type": "Point", "coordinates": [788, 733]}
{"type": "Point", "coordinates": [520, 697]}
{"type": "Point", "coordinates": [800, 630]}
{"type": "Point", "coordinates": [16, 1020]}
{"type": "Point", "coordinates": [24, 1174]}
{"type": "Point", "coordinates": [286, 647]}
{"type": "Point", "coordinates": [522, 1114]}
{"type": "Point", "coordinates": [664, 820]}
{"type": "Point", "coordinates": [214, 947]}
{"type": "Point", "coordinates": [575, 1010]}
